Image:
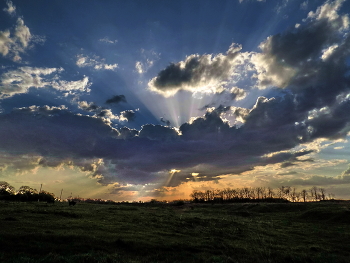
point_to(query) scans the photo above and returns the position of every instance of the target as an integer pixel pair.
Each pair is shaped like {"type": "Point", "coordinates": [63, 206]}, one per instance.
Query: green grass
{"type": "Point", "coordinates": [39, 232]}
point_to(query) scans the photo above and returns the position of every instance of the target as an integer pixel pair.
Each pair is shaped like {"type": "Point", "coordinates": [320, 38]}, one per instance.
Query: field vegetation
{"type": "Point", "coordinates": [177, 232]}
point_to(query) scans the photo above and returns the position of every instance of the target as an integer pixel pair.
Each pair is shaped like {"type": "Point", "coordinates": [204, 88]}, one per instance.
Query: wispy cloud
{"type": "Point", "coordinates": [11, 9]}
{"type": "Point", "coordinates": [108, 41]}
{"type": "Point", "coordinates": [148, 58]}
{"type": "Point", "coordinates": [20, 80]}
{"type": "Point", "coordinates": [96, 63]}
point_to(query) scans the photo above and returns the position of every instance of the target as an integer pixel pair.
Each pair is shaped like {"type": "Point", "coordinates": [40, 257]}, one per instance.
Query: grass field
{"type": "Point", "coordinates": [294, 232]}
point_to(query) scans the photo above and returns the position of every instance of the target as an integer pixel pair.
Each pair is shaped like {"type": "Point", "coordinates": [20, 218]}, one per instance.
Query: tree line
{"type": "Point", "coordinates": [24, 194]}
{"type": "Point", "coordinates": [245, 194]}
{"type": "Point", "coordinates": [267, 194]}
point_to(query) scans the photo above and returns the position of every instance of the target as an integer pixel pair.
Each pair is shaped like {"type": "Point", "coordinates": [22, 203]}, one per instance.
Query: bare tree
{"type": "Point", "coordinates": [280, 192]}
{"type": "Point", "coordinates": [259, 192]}
{"type": "Point", "coordinates": [270, 192]}
{"type": "Point", "coordinates": [304, 194]}
{"type": "Point", "coordinates": [322, 193]}
{"type": "Point", "coordinates": [314, 193]}
{"type": "Point", "coordinates": [293, 194]}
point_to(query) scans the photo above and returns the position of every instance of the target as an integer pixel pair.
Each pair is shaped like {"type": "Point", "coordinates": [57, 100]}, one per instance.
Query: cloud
{"type": "Point", "coordinates": [281, 5]}
{"type": "Point", "coordinates": [108, 41]}
{"type": "Point", "coordinates": [72, 86]}
{"type": "Point", "coordinates": [22, 33]}
{"type": "Point", "coordinates": [20, 80]}
{"type": "Point", "coordinates": [148, 58]}
{"type": "Point", "coordinates": [207, 146]}
{"type": "Point", "coordinates": [317, 180]}
{"type": "Point", "coordinates": [11, 9]}
{"type": "Point", "coordinates": [100, 112]}
{"type": "Point", "coordinates": [307, 62]}
{"type": "Point", "coordinates": [329, 11]}
{"type": "Point", "coordinates": [292, 58]}
{"type": "Point", "coordinates": [126, 133]}
{"type": "Point", "coordinates": [96, 62]}
{"type": "Point", "coordinates": [338, 148]}
{"type": "Point", "coordinates": [88, 106]}
{"type": "Point", "coordinates": [198, 73]}
{"type": "Point", "coordinates": [116, 99]}
{"type": "Point", "coordinates": [166, 122]}
{"type": "Point", "coordinates": [346, 172]}
{"type": "Point", "coordinates": [158, 132]}
{"type": "Point", "coordinates": [237, 93]}
{"type": "Point", "coordinates": [139, 67]}
{"type": "Point", "coordinates": [14, 42]}
{"type": "Point", "coordinates": [304, 5]}
{"type": "Point", "coordinates": [128, 115]}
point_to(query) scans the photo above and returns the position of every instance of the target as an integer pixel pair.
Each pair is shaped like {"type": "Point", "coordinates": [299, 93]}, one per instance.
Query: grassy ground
{"type": "Point", "coordinates": [39, 232]}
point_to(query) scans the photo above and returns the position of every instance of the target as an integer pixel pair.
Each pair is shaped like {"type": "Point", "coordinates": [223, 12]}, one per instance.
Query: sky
{"type": "Point", "coordinates": [135, 100]}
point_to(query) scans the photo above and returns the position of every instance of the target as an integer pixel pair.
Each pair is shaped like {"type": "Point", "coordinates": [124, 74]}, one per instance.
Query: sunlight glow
{"type": "Point", "coordinates": [171, 174]}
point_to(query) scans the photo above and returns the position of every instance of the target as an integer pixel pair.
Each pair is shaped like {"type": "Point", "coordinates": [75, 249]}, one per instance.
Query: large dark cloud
{"type": "Point", "coordinates": [59, 136]}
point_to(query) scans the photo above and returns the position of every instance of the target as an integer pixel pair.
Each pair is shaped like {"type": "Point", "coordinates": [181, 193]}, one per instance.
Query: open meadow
{"type": "Point", "coordinates": [260, 232]}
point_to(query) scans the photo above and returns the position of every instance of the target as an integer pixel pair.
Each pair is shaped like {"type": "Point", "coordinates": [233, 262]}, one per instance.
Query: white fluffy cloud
{"type": "Point", "coordinates": [329, 11]}
{"type": "Point", "coordinates": [14, 42]}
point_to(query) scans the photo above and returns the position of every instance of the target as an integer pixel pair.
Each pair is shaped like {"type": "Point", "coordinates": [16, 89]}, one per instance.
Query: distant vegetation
{"type": "Point", "coordinates": [263, 194]}
{"type": "Point", "coordinates": [24, 194]}
{"type": "Point", "coordinates": [227, 195]}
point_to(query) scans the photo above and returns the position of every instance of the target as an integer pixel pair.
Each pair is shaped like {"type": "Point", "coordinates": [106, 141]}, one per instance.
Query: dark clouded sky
{"type": "Point", "coordinates": [133, 100]}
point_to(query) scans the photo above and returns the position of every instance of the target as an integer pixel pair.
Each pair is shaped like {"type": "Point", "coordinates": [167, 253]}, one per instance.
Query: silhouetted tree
{"type": "Point", "coordinates": [322, 194]}
{"type": "Point", "coordinates": [283, 194]}
{"type": "Point", "coordinates": [304, 194]}
{"type": "Point", "coordinates": [314, 193]}
{"type": "Point", "coordinates": [270, 192]}
{"type": "Point", "coordinates": [46, 197]}
{"type": "Point", "coordinates": [26, 193]}
{"type": "Point", "coordinates": [7, 191]}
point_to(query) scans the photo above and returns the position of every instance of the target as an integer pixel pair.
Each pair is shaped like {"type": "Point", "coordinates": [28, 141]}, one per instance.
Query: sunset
{"type": "Point", "coordinates": [140, 100]}
{"type": "Point", "coordinates": [182, 131]}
